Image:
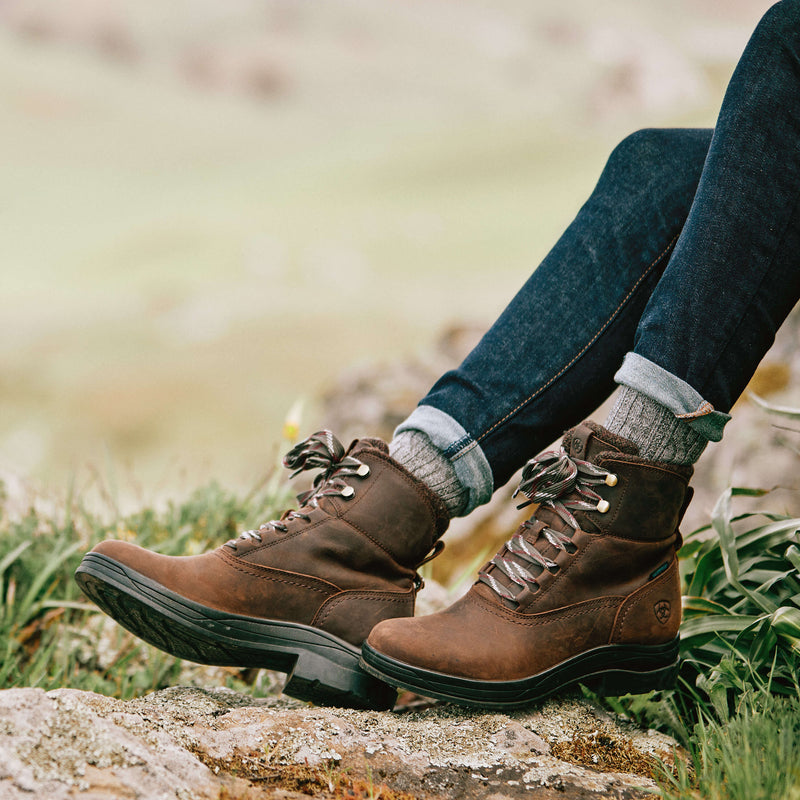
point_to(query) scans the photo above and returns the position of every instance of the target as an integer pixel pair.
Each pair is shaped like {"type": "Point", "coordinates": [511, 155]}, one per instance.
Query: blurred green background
{"type": "Point", "coordinates": [210, 209]}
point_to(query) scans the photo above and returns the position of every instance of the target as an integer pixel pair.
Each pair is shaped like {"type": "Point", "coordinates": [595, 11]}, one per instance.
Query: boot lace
{"type": "Point", "coordinates": [563, 484]}
{"type": "Point", "coordinates": [322, 450]}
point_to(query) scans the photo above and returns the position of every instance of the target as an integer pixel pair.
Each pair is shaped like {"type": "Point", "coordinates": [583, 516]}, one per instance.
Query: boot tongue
{"type": "Point", "coordinates": [587, 440]}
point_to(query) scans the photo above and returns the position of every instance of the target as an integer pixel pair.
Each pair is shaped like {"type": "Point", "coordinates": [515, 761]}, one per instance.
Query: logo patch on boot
{"type": "Point", "coordinates": [662, 609]}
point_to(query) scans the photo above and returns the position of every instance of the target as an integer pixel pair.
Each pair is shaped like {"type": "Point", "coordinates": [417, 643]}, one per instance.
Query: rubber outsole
{"type": "Point", "coordinates": [322, 668]}
{"type": "Point", "coordinates": [610, 670]}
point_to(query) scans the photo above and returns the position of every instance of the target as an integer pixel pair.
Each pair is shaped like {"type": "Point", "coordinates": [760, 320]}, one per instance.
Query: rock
{"type": "Point", "coordinates": [65, 741]}
{"type": "Point", "coordinates": [186, 743]}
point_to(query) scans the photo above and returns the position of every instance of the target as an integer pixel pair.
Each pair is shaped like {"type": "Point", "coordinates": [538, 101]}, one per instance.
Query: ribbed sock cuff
{"type": "Point", "coordinates": [657, 432]}
{"type": "Point", "coordinates": [415, 451]}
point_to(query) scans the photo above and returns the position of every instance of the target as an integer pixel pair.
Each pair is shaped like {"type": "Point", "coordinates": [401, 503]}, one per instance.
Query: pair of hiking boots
{"type": "Point", "coordinates": [586, 590]}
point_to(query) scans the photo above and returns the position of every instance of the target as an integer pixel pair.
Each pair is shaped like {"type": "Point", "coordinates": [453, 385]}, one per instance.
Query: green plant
{"type": "Point", "coordinates": [51, 637]}
{"type": "Point", "coordinates": [741, 628]}
{"type": "Point", "coordinates": [752, 754]}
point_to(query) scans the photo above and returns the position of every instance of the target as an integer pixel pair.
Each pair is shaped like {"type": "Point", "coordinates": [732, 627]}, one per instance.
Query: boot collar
{"type": "Point", "coordinates": [587, 440]}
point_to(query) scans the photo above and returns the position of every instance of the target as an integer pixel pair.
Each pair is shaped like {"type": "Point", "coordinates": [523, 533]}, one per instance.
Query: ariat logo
{"type": "Point", "coordinates": [662, 609]}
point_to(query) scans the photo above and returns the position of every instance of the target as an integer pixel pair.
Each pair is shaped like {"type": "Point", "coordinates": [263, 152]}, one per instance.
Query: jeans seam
{"type": "Point", "coordinates": [579, 355]}
{"type": "Point", "coordinates": [460, 447]}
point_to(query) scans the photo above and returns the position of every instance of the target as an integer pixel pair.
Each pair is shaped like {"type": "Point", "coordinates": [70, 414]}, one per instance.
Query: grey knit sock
{"type": "Point", "coordinates": [659, 434]}
{"type": "Point", "coordinates": [415, 451]}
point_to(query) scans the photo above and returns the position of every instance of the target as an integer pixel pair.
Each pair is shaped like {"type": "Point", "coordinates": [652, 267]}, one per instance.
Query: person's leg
{"type": "Point", "coordinates": [734, 275]}
{"type": "Point", "coordinates": [692, 346]}
{"type": "Point", "coordinates": [588, 589]}
{"type": "Point", "coordinates": [550, 358]}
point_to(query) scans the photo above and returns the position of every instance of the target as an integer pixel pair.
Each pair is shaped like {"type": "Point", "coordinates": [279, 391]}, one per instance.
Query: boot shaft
{"type": "Point", "coordinates": [605, 539]}
{"type": "Point", "coordinates": [389, 507]}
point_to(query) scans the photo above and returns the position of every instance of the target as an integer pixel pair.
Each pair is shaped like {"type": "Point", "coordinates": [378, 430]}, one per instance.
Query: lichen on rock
{"type": "Point", "coordinates": [186, 742]}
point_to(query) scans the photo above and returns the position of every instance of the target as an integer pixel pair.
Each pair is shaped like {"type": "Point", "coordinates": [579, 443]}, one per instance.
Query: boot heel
{"type": "Point", "coordinates": [318, 680]}
{"type": "Point", "coordinates": [618, 682]}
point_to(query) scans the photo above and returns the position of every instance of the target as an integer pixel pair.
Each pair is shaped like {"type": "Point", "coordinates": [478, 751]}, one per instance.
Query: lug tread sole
{"type": "Point", "coordinates": [321, 667]}
{"type": "Point", "coordinates": [610, 670]}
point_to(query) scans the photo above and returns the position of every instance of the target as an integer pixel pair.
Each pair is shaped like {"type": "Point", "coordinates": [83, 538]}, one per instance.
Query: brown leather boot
{"type": "Point", "coordinates": [586, 591]}
{"type": "Point", "coordinates": [299, 594]}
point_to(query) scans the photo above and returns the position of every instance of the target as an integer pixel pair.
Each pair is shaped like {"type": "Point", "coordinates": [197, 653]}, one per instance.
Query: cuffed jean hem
{"type": "Point", "coordinates": [679, 397]}
{"type": "Point", "coordinates": [463, 452]}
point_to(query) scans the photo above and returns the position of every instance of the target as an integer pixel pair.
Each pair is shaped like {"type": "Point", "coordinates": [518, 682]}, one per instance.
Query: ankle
{"type": "Point", "coordinates": [654, 429]}
{"type": "Point", "coordinates": [415, 451]}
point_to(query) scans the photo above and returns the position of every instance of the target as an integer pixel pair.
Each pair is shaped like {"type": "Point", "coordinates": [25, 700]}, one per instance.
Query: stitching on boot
{"type": "Point", "coordinates": [284, 537]}
{"type": "Point", "coordinates": [417, 485]}
{"type": "Point", "coordinates": [341, 510]}
{"type": "Point", "coordinates": [576, 559]}
{"type": "Point", "coordinates": [606, 523]}
{"type": "Point", "coordinates": [544, 617]}
{"type": "Point", "coordinates": [271, 574]}
{"type": "Point", "coordinates": [635, 599]}
{"type": "Point", "coordinates": [679, 471]}
{"type": "Point", "coordinates": [332, 603]}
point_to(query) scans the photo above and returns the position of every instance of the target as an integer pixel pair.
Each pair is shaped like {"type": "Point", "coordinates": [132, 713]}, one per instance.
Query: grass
{"type": "Point", "coordinates": [51, 637]}
{"type": "Point", "coordinates": [751, 754]}
{"type": "Point", "coordinates": [742, 609]}
{"type": "Point", "coordinates": [740, 643]}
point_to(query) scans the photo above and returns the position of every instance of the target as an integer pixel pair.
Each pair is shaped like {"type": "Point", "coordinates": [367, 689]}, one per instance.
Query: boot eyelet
{"type": "Point", "coordinates": [348, 491]}
{"type": "Point", "coordinates": [603, 506]}
{"type": "Point", "coordinates": [611, 479]}
{"type": "Point", "coordinates": [363, 470]}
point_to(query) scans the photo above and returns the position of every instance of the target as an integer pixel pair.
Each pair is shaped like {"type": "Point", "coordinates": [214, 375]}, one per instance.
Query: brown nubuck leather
{"type": "Point", "coordinates": [586, 591]}
{"type": "Point", "coordinates": [299, 594]}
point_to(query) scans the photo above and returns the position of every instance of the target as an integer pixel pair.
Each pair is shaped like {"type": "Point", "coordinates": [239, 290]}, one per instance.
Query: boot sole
{"type": "Point", "coordinates": [610, 670]}
{"type": "Point", "coordinates": [322, 668]}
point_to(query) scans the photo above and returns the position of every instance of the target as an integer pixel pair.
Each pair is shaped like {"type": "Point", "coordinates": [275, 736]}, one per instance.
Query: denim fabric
{"type": "Point", "coordinates": [685, 254]}
{"type": "Point", "coordinates": [734, 274]}
{"type": "Point", "coordinates": [472, 468]}
{"type": "Point", "coordinates": [672, 393]}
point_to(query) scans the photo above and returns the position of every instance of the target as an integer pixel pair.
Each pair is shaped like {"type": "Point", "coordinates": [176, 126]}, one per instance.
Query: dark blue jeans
{"type": "Point", "coordinates": [673, 279]}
